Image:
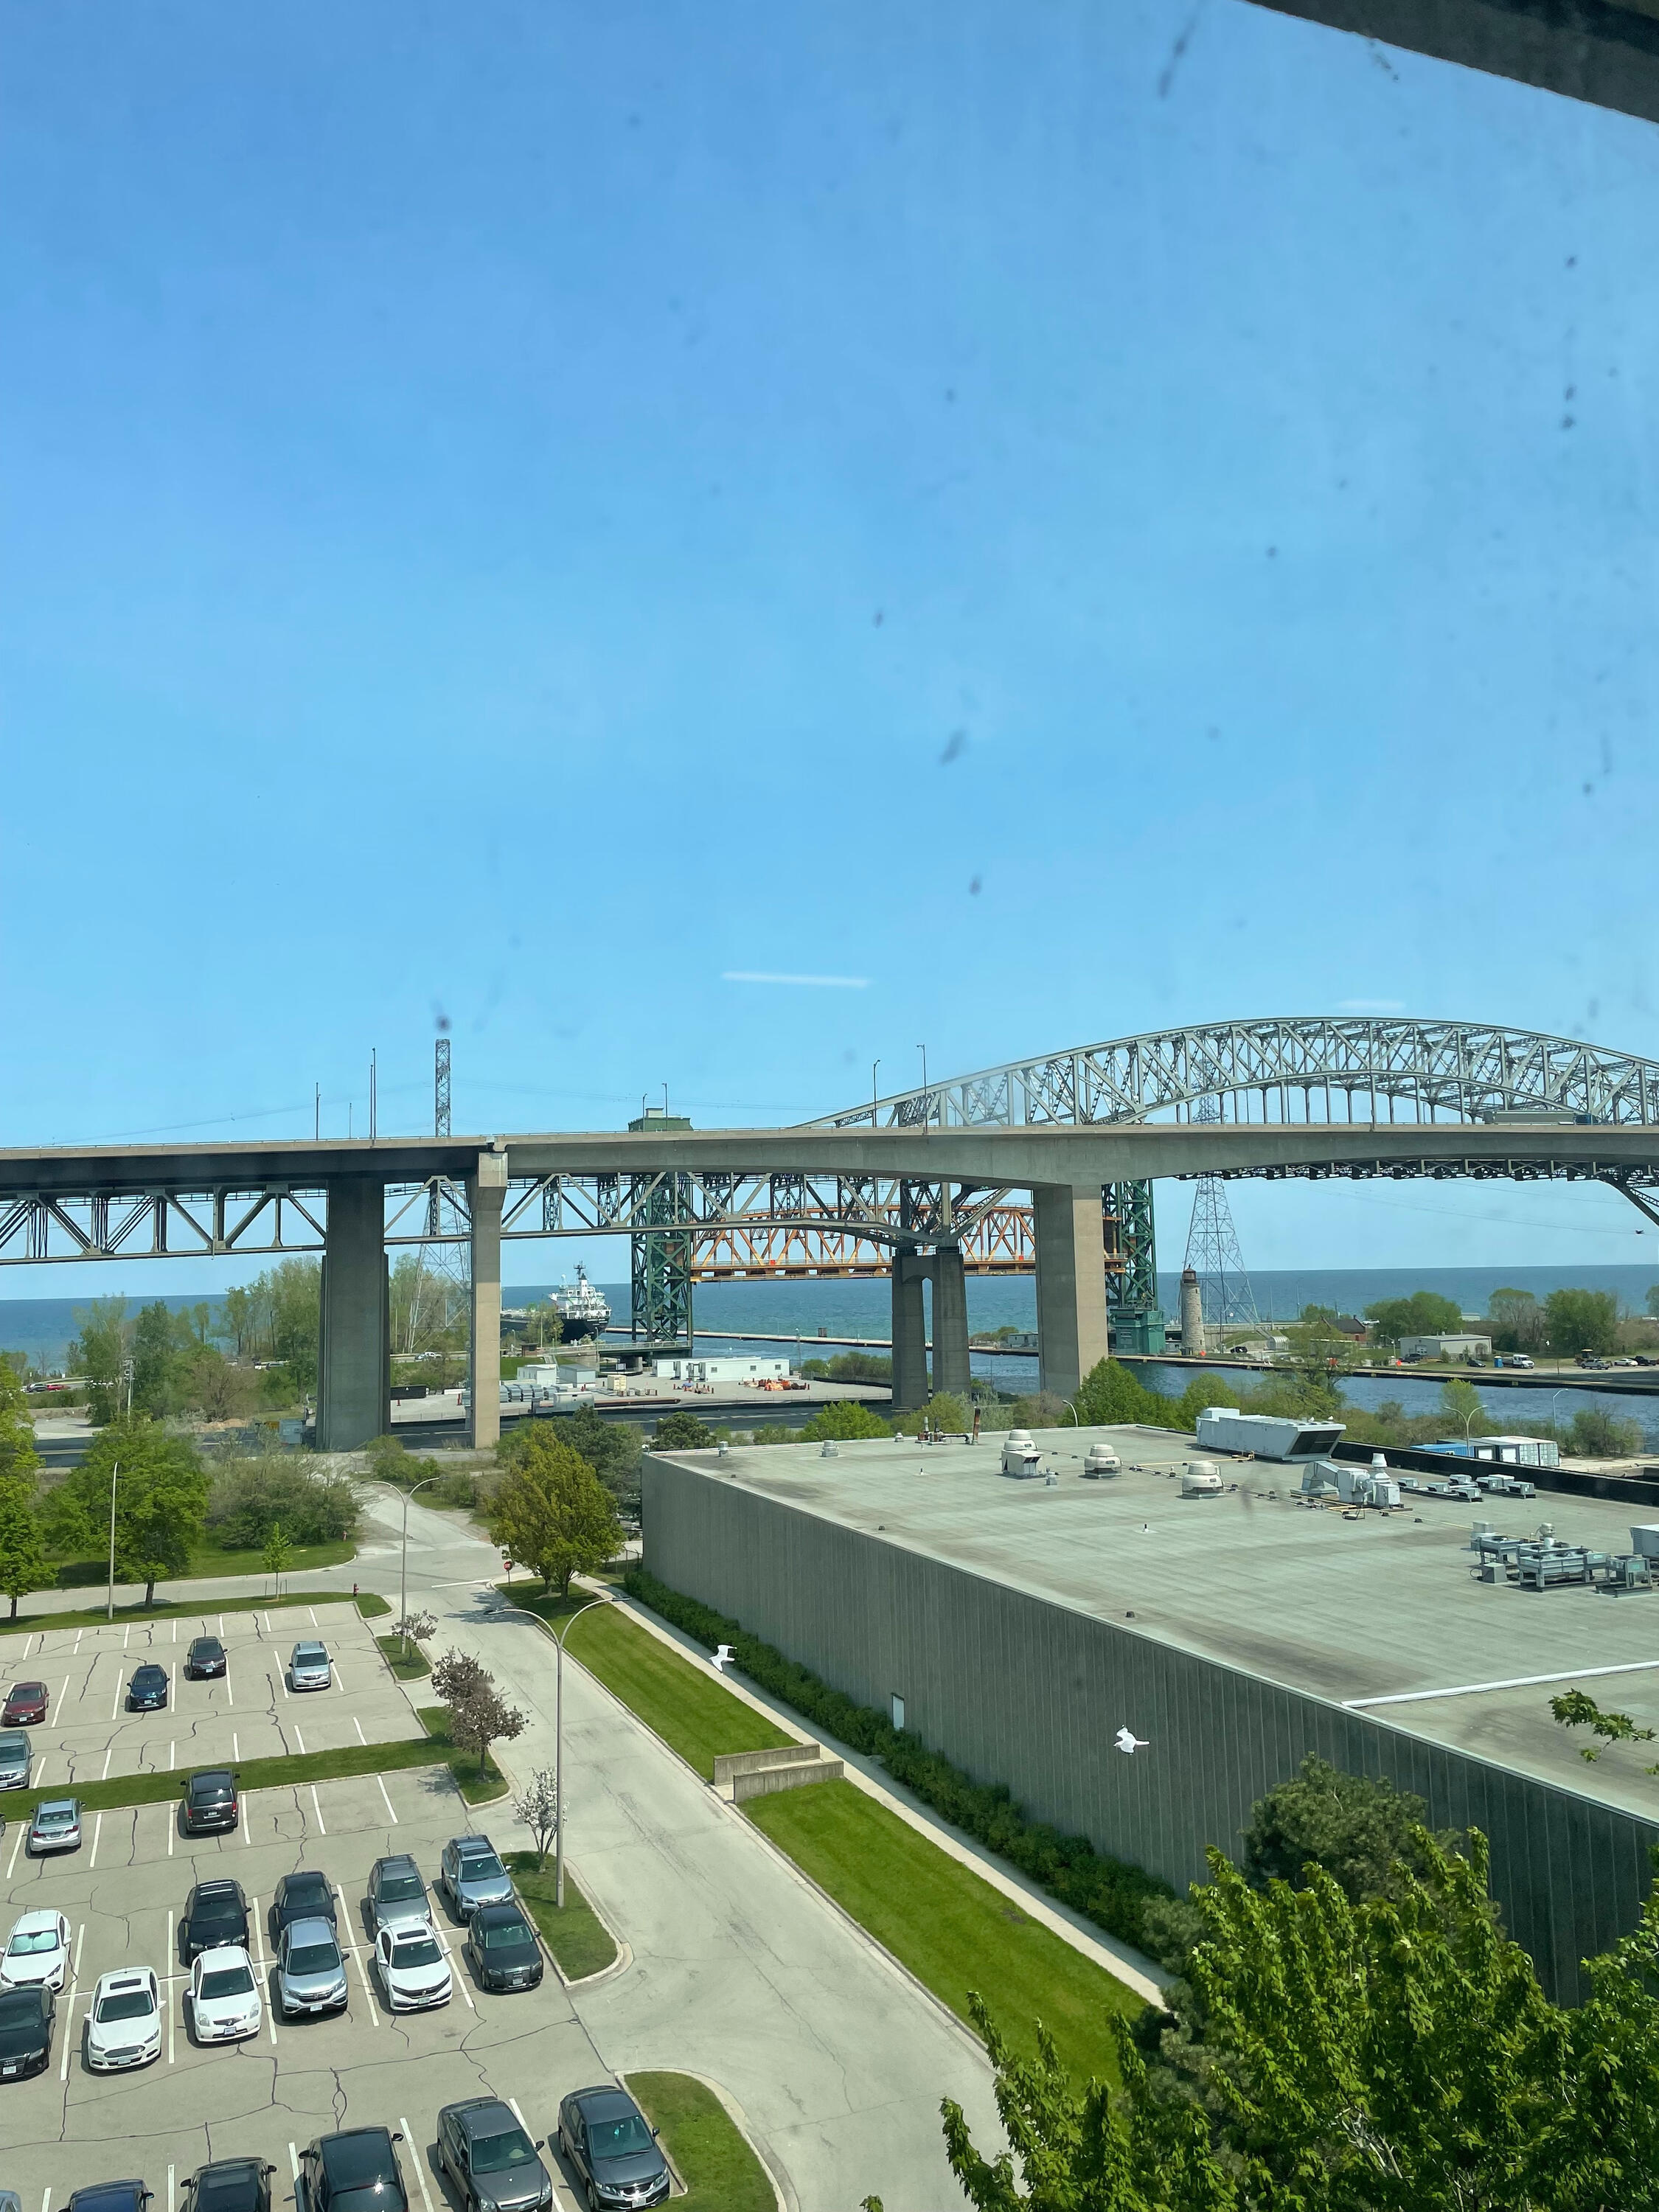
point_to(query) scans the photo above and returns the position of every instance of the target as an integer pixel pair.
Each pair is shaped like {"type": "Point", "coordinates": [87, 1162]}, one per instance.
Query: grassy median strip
{"type": "Point", "coordinates": [574, 1933]}
{"type": "Point", "coordinates": [681, 1701]}
{"type": "Point", "coordinates": [721, 2171]}
{"type": "Point", "coordinates": [369, 1604]}
{"type": "Point", "coordinates": [477, 1788]}
{"type": "Point", "coordinates": [953, 1930]}
{"type": "Point", "coordinates": [434, 1749]}
{"type": "Point", "coordinates": [407, 1668]}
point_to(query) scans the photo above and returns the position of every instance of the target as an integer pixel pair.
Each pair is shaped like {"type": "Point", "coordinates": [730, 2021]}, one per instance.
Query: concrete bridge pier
{"type": "Point", "coordinates": [1071, 1284]}
{"type": "Point", "coordinates": [354, 1352]}
{"type": "Point", "coordinates": [486, 1191]}
{"type": "Point", "coordinates": [911, 1272]}
{"type": "Point", "coordinates": [950, 1322]}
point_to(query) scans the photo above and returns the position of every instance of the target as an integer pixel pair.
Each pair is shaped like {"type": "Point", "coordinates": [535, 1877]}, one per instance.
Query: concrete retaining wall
{"type": "Point", "coordinates": [763, 1782]}
{"type": "Point", "coordinates": [1016, 1689]}
{"type": "Point", "coordinates": [730, 1763]}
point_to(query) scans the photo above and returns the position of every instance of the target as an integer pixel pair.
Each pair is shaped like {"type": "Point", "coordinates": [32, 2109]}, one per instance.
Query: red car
{"type": "Point", "coordinates": [25, 1706]}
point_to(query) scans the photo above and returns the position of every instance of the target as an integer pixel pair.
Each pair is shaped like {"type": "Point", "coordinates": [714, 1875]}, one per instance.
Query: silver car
{"type": "Point", "coordinates": [14, 1757]}
{"type": "Point", "coordinates": [470, 1874]}
{"type": "Point", "coordinates": [311, 1974]}
{"type": "Point", "coordinates": [55, 1826]}
{"type": "Point", "coordinates": [308, 1667]}
{"type": "Point", "coordinates": [397, 1893]}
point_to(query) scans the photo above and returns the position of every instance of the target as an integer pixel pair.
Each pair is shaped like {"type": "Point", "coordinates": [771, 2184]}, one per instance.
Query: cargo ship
{"type": "Point", "coordinates": [583, 1312]}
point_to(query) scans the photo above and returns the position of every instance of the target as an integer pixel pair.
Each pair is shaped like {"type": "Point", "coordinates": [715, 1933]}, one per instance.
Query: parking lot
{"type": "Point", "coordinates": [250, 1712]}
{"type": "Point", "coordinates": [125, 1893]}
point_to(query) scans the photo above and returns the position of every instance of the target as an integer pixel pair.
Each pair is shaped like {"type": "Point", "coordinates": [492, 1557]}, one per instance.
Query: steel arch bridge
{"type": "Point", "coordinates": [1400, 1070]}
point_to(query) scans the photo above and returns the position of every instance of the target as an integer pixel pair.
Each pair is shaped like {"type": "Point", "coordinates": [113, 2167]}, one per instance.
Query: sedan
{"type": "Point", "coordinates": [225, 2004]}
{"type": "Point", "coordinates": [356, 2167]}
{"type": "Point", "coordinates": [490, 2158]}
{"type": "Point", "coordinates": [56, 1827]}
{"type": "Point", "coordinates": [147, 1693]}
{"type": "Point", "coordinates": [124, 2027]}
{"type": "Point", "coordinates": [111, 2196]}
{"type": "Point", "coordinates": [501, 1948]}
{"type": "Point", "coordinates": [231, 2184]}
{"type": "Point", "coordinates": [25, 1706]}
{"type": "Point", "coordinates": [303, 1896]}
{"type": "Point", "coordinates": [37, 1952]}
{"type": "Point", "coordinates": [214, 1916]}
{"type": "Point", "coordinates": [210, 1802]}
{"type": "Point", "coordinates": [613, 2146]}
{"type": "Point", "coordinates": [470, 1874]}
{"type": "Point", "coordinates": [308, 1668]}
{"type": "Point", "coordinates": [414, 1972]}
{"type": "Point", "coordinates": [16, 1755]}
{"type": "Point", "coordinates": [311, 1975]}
{"type": "Point", "coordinates": [26, 2021]}
{"type": "Point", "coordinates": [204, 1661]}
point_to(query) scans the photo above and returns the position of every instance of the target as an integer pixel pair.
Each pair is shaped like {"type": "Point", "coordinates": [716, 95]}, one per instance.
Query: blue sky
{"type": "Point", "coordinates": [523, 512]}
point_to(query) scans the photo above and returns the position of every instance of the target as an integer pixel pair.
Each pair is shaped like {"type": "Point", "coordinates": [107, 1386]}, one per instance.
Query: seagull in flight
{"type": "Point", "coordinates": [1127, 1740]}
{"type": "Point", "coordinates": [723, 1658]}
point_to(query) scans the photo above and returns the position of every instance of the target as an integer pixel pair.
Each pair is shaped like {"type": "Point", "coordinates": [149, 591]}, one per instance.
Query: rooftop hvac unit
{"type": "Point", "coordinates": [1265, 1436]}
{"type": "Point", "coordinates": [1198, 1478]}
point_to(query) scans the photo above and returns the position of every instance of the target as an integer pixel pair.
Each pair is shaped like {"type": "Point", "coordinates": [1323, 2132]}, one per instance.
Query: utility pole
{"type": "Point", "coordinates": [373, 1092]}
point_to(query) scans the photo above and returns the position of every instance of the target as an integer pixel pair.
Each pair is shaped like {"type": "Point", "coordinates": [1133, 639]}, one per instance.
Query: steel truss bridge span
{"type": "Point", "coordinates": [1396, 1070]}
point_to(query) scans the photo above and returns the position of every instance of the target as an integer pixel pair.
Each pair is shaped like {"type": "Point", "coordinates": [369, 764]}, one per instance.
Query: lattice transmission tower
{"type": "Point", "coordinates": [1212, 1252]}
{"type": "Point", "coordinates": [436, 1300]}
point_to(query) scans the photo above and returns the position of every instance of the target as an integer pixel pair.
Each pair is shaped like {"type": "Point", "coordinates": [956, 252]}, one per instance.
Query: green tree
{"type": "Point", "coordinates": [236, 1319]}
{"type": "Point", "coordinates": [947, 1413]}
{"type": "Point", "coordinates": [1460, 1408]}
{"type": "Point", "coordinates": [295, 1293]}
{"type": "Point", "coordinates": [1576, 1708]}
{"type": "Point", "coordinates": [1425, 1313]}
{"type": "Point", "coordinates": [1653, 1298]}
{"type": "Point", "coordinates": [682, 1430]}
{"type": "Point", "coordinates": [99, 1352]}
{"type": "Point", "coordinates": [18, 1456]}
{"type": "Point", "coordinates": [1363, 1833]}
{"type": "Point", "coordinates": [278, 1552]}
{"type": "Point", "coordinates": [24, 1565]}
{"type": "Point", "coordinates": [1593, 1433]}
{"type": "Point", "coordinates": [1109, 1396]}
{"type": "Point", "coordinates": [843, 1422]}
{"type": "Point", "coordinates": [160, 1503]}
{"type": "Point", "coordinates": [551, 1511]}
{"type": "Point", "coordinates": [1581, 1321]}
{"type": "Point", "coordinates": [218, 1390]}
{"type": "Point", "coordinates": [1515, 1320]}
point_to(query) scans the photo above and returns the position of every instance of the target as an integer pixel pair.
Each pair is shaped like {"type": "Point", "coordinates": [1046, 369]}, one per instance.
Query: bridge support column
{"type": "Point", "coordinates": [950, 1322]}
{"type": "Point", "coordinates": [1071, 1285]}
{"type": "Point", "coordinates": [911, 1272]}
{"type": "Point", "coordinates": [353, 1357]}
{"type": "Point", "coordinates": [485, 1193]}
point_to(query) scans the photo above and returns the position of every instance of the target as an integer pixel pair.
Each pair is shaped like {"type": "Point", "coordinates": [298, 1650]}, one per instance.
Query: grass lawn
{"type": "Point", "coordinates": [253, 1774]}
{"type": "Point", "coordinates": [721, 2173]}
{"type": "Point", "coordinates": [207, 1561]}
{"type": "Point", "coordinates": [683, 1703]}
{"type": "Point", "coordinates": [369, 1604]}
{"type": "Point", "coordinates": [576, 1936]}
{"type": "Point", "coordinates": [406, 1670]}
{"type": "Point", "coordinates": [951, 1929]}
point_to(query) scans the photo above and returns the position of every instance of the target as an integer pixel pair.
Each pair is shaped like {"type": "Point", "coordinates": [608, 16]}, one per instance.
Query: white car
{"type": "Point", "coordinates": [414, 1971]}
{"type": "Point", "coordinates": [225, 2004]}
{"type": "Point", "coordinates": [124, 2027]}
{"type": "Point", "coordinates": [37, 1952]}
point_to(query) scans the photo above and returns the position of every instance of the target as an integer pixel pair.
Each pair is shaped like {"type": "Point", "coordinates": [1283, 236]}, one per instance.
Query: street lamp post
{"type": "Point", "coordinates": [558, 1636]}
{"type": "Point", "coordinates": [113, 1472]}
{"type": "Point", "coordinates": [403, 1567]}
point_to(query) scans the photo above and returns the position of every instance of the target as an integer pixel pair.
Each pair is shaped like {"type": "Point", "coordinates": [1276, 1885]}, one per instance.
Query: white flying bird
{"type": "Point", "coordinates": [723, 1658]}
{"type": "Point", "coordinates": [1127, 1740]}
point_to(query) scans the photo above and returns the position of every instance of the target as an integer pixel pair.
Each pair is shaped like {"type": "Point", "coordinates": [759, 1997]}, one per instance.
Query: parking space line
{"type": "Point", "coordinates": [321, 1829]}
{"type": "Point", "coordinates": [45, 2201]}
{"type": "Point", "coordinates": [75, 1963]}
{"type": "Point", "coordinates": [115, 1710]}
{"type": "Point", "coordinates": [172, 1754]}
{"type": "Point", "coordinates": [229, 1692]}
{"type": "Point", "coordinates": [312, 1610]}
{"type": "Point", "coordinates": [40, 1768]}
{"type": "Point", "coordinates": [293, 2162]}
{"type": "Point", "coordinates": [339, 1683]}
{"type": "Point", "coordinates": [358, 1725]}
{"type": "Point", "coordinates": [265, 1971]}
{"type": "Point", "coordinates": [236, 1745]}
{"type": "Point", "coordinates": [282, 1681]}
{"type": "Point", "coordinates": [171, 2185]}
{"type": "Point", "coordinates": [267, 1623]}
{"type": "Point", "coordinates": [418, 2152]}
{"type": "Point", "coordinates": [68, 2036]}
{"type": "Point", "coordinates": [166, 1987]}
{"type": "Point", "coordinates": [125, 1632]}
{"type": "Point", "coordinates": [222, 1625]}
{"type": "Point", "coordinates": [298, 1738]}
{"type": "Point", "coordinates": [390, 1814]}
{"type": "Point", "coordinates": [79, 1633]}
{"type": "Point", "coordinates": [171, 1685]}
{"type": "Point", "coordinates": [513, 2107]}
{"type": "Point", "coordinates": [172, 1825]}
{"type": "Point", "coordinates": [175, 1628]}
{"type": "Point", "coordinates": [108, 1755]}
{"type": "Point", "coordinates": [357, 1957]}
{"type": "Point", "coordinates": [456, 1976]}
{"type": "Point", "coordinates": [97, 1830]}
{"type": "Point", "coordinates": [22, 1831]}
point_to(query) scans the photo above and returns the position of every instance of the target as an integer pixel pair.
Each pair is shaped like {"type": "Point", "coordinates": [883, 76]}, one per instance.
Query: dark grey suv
{"type": "Point", "coordinates": [470, 1874]}
{"type": "Point", "coordinates": [490, 2158]}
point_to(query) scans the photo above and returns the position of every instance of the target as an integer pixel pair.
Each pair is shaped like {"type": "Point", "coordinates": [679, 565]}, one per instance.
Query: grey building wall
{"type": "Point", "coordinates": [1018, 1689]}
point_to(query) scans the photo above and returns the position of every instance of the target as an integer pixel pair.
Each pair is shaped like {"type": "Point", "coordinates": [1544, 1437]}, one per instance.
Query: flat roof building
{"type": "Point", "coordinates": [1022, 1623]}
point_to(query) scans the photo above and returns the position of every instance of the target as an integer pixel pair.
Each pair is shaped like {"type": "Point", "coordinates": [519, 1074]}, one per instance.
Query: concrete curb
{"type": "Point", "coordinates": [624, 1957]}
{"type": "Point", "coordinates": [783, 2195]}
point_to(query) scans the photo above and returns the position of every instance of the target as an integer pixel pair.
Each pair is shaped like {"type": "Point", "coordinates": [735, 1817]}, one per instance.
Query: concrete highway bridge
{"type": "Point", "coordinates": [922, 1185]}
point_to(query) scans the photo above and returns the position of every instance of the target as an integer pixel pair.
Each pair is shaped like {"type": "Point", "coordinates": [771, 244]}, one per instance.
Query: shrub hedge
{"type": "Point", "coordinates": [1113, 1894]}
